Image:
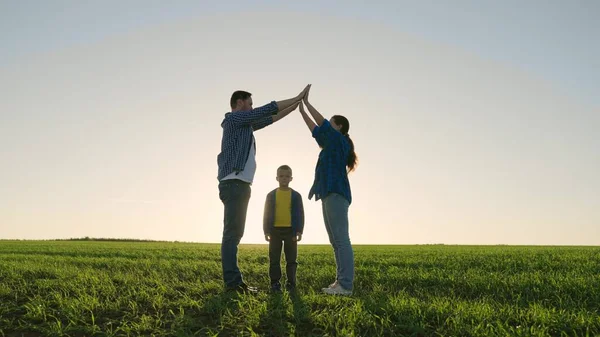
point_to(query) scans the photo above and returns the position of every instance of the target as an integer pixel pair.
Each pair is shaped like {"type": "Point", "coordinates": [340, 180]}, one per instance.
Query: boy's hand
{"type": "Point", "coordinates": [268, 237]}
{"type": "Point", "coordinates": [302, 108]}
{"type": "Point", "coordinates": [298, 237]}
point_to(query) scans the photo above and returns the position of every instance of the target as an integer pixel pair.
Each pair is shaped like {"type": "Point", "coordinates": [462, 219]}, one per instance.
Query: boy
{"type": "Point", "coordinates": [283, 221]}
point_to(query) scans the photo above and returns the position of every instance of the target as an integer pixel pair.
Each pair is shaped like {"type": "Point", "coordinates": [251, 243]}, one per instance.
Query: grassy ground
{"type": "Point", "coordinates": [88, 288]}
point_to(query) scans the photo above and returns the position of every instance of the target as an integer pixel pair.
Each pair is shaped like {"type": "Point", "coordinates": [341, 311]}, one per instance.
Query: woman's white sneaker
{"type": "Point", "coordinates": [337, 290]}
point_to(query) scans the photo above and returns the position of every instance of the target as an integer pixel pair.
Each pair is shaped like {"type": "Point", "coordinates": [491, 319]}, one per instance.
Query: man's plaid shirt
{"type": "Point", "coordinates": [238, 128]}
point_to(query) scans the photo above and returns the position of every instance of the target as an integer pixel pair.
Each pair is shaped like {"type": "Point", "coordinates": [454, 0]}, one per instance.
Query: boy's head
{"type": "Point", "coordinates": [284, 176]}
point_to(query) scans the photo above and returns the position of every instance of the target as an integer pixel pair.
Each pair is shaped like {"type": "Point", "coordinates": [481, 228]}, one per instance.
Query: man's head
{"type": "Point", "coordinates": [284, 176]}
{"type": "Point", "coordinates": [241, 101]}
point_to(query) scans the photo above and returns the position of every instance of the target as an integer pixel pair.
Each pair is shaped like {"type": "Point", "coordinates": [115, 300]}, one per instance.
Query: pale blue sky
{"type": "Point", "coordinates": [554, 39]}
{"type": "Point", "coordinates": [476, 121]}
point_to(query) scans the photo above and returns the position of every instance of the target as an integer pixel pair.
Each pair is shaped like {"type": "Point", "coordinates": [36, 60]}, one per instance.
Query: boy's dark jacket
{"type": "Point", "coordinates": [297, 213]}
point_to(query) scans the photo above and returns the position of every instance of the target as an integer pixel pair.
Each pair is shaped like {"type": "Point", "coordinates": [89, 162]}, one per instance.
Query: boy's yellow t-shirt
{"type": "Point", "coordinates": [283, 208]}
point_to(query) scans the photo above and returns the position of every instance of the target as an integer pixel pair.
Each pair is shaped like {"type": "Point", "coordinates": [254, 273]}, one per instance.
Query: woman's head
{"type": "Point", "coordinates": [342, 124]}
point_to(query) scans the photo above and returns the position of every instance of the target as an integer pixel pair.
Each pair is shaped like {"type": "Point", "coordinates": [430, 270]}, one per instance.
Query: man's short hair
{"type": "Point", "coordinates": [240, 94]}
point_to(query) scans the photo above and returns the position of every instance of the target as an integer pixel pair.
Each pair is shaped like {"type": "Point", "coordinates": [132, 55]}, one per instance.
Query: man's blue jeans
{"type": "Point", "coordinates": [235, 195]}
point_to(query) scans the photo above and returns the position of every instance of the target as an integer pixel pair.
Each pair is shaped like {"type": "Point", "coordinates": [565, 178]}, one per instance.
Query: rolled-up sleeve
{"type": "Point", "coordinates": [254, 115]}
{"type": "Point", "coordinates": [261, 123]}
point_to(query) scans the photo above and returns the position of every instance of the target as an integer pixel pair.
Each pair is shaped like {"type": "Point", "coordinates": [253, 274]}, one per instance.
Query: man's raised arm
{"type": "Point", "coordinates": [286, 103]}
{"type": "Point", "coordinates": [285, 112]}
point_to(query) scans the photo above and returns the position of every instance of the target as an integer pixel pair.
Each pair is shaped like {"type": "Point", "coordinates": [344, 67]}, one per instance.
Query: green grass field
{"type": "Point", "coordinates": [91, 288]}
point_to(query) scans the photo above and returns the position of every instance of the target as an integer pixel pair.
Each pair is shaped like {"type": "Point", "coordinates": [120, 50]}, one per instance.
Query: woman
{"type": "Point", "coordinates": [336, 159]}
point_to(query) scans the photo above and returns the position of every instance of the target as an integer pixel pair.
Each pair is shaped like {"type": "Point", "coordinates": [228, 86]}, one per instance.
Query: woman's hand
{"type": "Point", "coordinates": [302, 111]}
{"type": "Point", "coordinates": [307, 91]}
{"type": "Point", "coordinates": [304, 92]}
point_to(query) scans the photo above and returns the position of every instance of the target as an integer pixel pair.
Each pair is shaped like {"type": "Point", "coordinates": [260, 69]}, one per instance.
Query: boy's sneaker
{"type": "Point", "coordinates": [290, 287]}
{"type": "Point", "coordinates": [275, 288]}
{"type": "Point", "coordinates": [337, 290]}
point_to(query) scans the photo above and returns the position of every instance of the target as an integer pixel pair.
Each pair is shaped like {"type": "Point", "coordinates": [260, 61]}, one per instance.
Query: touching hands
{"type": "Point", "coordinates": [305, 98]}
{"type": "Point", "coordinates": [304, 93]}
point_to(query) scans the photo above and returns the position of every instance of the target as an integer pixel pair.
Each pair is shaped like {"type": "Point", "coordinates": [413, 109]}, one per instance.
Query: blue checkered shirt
{"type": "Point", "coordinates": [238, 128]}
{"type": "Point", "coordinates": [331, 175]}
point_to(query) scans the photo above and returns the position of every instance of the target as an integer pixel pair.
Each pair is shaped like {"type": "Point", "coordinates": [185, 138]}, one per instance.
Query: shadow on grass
{"type": "Point", "coordinates": [287, 315]}
{"type": "Point", "coordinates": [275, 321]}
{"type": "Point", "coordinates": [302, 320]}
{"type": "Point", "coordinates": [210, 317]}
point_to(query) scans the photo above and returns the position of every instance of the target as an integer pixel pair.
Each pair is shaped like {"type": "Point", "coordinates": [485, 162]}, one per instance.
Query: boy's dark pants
{"type": "Point", "coordinates": [283, 236]}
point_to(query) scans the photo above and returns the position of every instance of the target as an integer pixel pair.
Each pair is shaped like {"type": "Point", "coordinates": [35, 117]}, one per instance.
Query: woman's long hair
{"type": "Point", "coordinates": [345, 126]}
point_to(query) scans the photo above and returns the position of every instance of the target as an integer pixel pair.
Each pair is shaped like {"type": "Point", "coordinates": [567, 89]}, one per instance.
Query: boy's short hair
{"type": "Point", "coordinates": [284, 167]}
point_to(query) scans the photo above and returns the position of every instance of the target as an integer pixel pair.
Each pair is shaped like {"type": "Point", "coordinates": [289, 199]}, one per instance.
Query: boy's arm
{"type": "Point", "coordinates": [300, 215]}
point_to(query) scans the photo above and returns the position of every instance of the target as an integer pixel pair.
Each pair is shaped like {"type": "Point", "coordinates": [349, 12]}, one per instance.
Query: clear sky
{"type": "Point", "coordinates": [476, 122]}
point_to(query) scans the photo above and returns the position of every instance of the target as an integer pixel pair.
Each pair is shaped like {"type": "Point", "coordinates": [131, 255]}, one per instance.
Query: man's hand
{"type": "Point", "coordinates": [286, 103]}
{"type": "Point", "coordinates": [301, 106]}
{"type": "Point", "coordinates": [304, 92]}
{"type": "Point", "coordinates": [298, 237]}
{"type": "Point", "coordinates": [285, 112]}
{"type": "Point", "coordinates": [268, 237]}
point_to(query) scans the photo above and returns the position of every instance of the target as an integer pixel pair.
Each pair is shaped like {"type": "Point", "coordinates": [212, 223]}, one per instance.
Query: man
{"type": "Point", "coordinates": [237, 166]}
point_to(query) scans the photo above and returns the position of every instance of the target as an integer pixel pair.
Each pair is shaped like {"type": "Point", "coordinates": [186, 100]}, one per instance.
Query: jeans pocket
{"type": "Point", "coordinates": [224, 191]}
